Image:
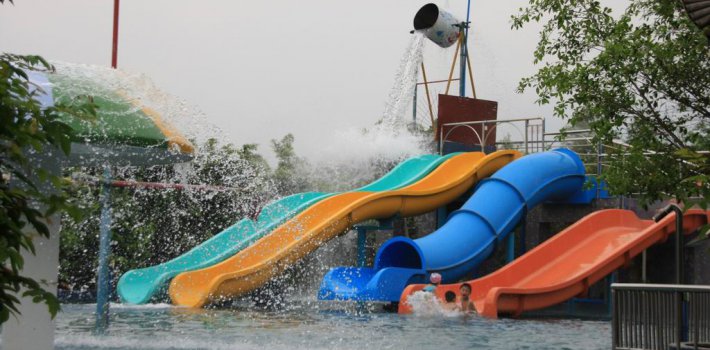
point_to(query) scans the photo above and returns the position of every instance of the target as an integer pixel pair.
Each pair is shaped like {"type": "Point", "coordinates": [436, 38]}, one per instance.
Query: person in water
{"type": "Point", "coordinates": [434, 281]}
{"type": "Point", "coordinates": [466, 303]}
{"type": "Point", "coordinates": [450, 301]}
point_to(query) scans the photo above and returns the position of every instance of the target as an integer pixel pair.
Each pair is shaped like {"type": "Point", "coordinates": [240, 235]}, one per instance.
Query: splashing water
{"type": "Point", "coordinates": [154, 226]}
{"type": "Point", "coordinates": [117, 85]}
{"type": "Point", "coordinates": [353, 157]}
{"type": "Point", "coordinates": [349, 159]}
{"type": "Point", "coordinates": [151, 226]}
{"type": "Point", "coordinates": [401, 95]}
{"type": "Point", "coordinates": [427, 305]}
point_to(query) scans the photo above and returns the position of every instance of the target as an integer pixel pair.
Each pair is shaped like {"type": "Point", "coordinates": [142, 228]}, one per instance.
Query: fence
{"type": "Point", "coordinates": [652, 316]}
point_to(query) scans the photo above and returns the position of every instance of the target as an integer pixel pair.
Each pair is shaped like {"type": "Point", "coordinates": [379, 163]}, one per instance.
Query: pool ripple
{"type": "Point", "coordinates": [310, 328]}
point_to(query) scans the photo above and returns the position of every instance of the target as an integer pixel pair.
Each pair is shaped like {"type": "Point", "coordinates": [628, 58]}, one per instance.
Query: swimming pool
{"type": "Point", "coordinates": [315, 326]}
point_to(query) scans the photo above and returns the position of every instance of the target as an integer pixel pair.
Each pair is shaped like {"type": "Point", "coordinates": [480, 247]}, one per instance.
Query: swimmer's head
{"type": "Point", "coordinates": [435, 278]}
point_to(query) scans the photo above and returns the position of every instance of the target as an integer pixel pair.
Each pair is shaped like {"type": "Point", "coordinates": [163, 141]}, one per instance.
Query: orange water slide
{"type": "Point", "coordinates": [268, 257]}
{"type": "Point", "coordinates": [566, 265]}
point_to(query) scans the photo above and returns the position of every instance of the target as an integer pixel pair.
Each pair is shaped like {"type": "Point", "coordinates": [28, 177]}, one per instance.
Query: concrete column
{"type": "Point", "coordinates": [34, 327]}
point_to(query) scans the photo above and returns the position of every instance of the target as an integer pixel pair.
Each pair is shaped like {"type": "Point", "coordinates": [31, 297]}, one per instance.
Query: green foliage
{"type": "Point", "coordinates": [249, 153]}
{"type": "Point", "coordinates": [285, 174]}
{"type": "Point", "coordinates": [640, 80]}
{"type": "Point", "coordinates": [27, 201]}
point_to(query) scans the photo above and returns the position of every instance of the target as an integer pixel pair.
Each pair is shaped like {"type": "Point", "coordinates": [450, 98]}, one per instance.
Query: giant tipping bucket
{"type": "Point", "coordinates": [438, 25]}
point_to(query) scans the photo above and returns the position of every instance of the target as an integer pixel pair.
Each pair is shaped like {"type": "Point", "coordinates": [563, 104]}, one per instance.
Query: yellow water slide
{"type": "Point", "coordinates": [268, 257]}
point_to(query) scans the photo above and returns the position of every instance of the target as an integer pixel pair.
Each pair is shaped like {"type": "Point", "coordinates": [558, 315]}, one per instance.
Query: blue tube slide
{"type": "Point", "coordinates": [470, 234]}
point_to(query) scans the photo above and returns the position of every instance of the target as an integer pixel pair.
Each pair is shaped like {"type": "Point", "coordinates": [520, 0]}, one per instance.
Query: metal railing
{"type": "Point", "coordinates": [530, 130]}
{"type": "Point", "coordinates": [653, 316]}
{"type": "Point", "coordinates": [530, 136]}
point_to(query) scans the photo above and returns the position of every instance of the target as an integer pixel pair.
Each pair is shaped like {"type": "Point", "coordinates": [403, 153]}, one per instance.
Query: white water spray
{"type": "Point", "coordinates": [352, 157]}
{"type": "Point", "coordinates": [425, 304]}
{"type": "Point", "coordinates": [402, 93]}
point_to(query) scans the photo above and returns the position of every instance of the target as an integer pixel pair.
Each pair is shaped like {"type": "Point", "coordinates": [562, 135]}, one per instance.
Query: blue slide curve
{"type": "Point", "coordinates": [141, 285]}
{"type": "Point", "coordinates": [470, 234]}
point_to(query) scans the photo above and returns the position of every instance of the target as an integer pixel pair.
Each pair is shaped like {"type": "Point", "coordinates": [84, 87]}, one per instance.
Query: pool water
{"type": "Point", "coordinates": [315, 326]}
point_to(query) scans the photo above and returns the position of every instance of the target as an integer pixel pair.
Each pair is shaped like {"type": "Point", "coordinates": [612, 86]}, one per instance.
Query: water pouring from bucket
{"type": "Point", "coordinates": [438, 25]}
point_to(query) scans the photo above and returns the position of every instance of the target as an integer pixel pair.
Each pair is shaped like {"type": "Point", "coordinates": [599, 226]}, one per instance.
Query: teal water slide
{"type": "Point", "coordinates": [141, 285]}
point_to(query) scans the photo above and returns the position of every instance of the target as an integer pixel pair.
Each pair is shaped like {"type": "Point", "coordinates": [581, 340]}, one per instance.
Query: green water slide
{"type": "Point", "coordinates": [141, 285]}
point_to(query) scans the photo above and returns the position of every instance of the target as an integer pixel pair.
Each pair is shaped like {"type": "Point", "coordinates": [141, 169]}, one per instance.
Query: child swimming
{"type": "Point", "coordinates": [466, 303]}
{"type": "Point", "coordinates": [450, 301]}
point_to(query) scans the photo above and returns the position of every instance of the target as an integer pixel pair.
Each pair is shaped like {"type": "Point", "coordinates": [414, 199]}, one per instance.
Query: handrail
{"type": "Point", "coordinates": [536, 139]}
{"type": "Point", "coordinates": [661, 287]}
{"type": "Point", "coordinates": [657, 316]}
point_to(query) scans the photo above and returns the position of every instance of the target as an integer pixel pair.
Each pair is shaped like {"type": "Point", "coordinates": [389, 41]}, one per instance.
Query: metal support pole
{"type": "Point", "coordinates": [523, 233]}
{"type": "Point", "coordinates": [114, 47]}
{"type": "Point", "coordinates": [679, 253]}
{"type": "Point", "coordinates": [414, 108]}
{"type": "Point", "coordinates": [428, 97]}
{"type": "Point", "coordinates": [527, 126]}
{"type": "Point", "coordinates": [600, 151]}
{"type": "Point", "coordinates": [462, 59]}
{"type": "Point", "coordinates": [611, 279]}
{"type": "Point", "coordinates": [679, 259]}
{"type": "Point", "coordinates": [361, 242]}
{"type": "Point", "coordinates": [644, 267]}
{"type": "Point", "coordinates": [103, 283]}
{"type": "Point", "coordinates": [511, 247]}
{"type": "Point", "coordinates": [543, 135]}
{"type": "Point", "coordinates": [614, 320]}
{"type": "Point", "coordinates": [453, 64]}
{"type": "Point", "coordinates": [441, 216]}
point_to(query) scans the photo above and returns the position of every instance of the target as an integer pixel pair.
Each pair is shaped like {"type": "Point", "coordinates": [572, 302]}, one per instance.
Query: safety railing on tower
{"type": "Point", "coordinates": [528, 135]}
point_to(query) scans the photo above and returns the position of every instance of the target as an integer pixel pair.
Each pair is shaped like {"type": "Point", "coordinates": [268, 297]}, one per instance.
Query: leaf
{"type": "Point", "coordinates": [27, 129]}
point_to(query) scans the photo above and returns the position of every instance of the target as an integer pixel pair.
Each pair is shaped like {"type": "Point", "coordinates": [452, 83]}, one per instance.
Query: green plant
{"type": "Point", "coordinates": [640, 79]}
{"type": "Point", "coordinates": [285, 174]}
{"type": "Point", "coordinates": [28, 127]}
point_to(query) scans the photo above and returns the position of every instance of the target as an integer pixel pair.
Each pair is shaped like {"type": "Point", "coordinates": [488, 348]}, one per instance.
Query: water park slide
{"type": "Point", "coordinates": [568, 263]}
{"type": "Point", "coordinates": [140, 285]}
{"type": "Point", "coordinates": [468, 237]}
{"type": "Point", "coordinates": [265, 259]}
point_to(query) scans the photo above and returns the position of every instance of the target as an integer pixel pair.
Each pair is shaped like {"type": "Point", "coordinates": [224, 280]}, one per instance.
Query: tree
{"type": "Point", "coordinates": [285, 174]}
{"type": "Point", "coordinates": [640, 80]}
{"type": "Point", "coordinates": [28, 127]}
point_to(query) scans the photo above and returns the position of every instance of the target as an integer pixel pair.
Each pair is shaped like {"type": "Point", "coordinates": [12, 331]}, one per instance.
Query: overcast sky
{"type": "Point", "coordinates": [261, 69]}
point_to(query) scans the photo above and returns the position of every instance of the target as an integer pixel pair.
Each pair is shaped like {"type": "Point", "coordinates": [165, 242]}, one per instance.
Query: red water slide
{"type": "Point", "coordinates": [568, 263]}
